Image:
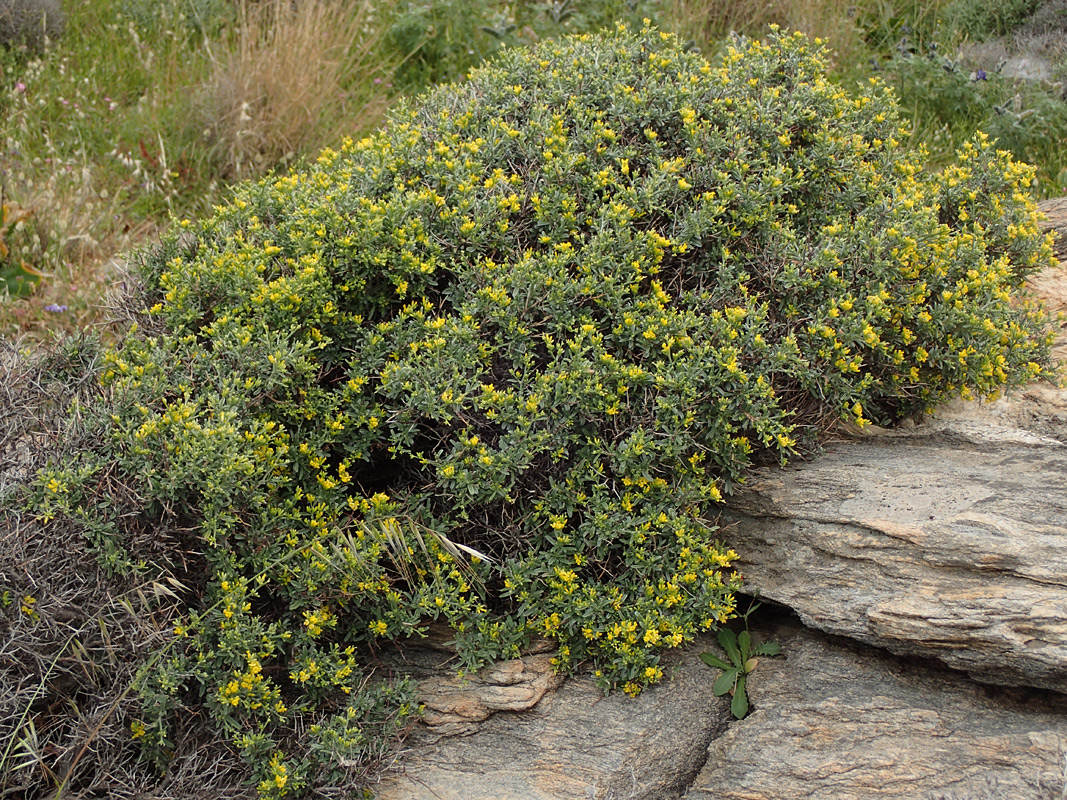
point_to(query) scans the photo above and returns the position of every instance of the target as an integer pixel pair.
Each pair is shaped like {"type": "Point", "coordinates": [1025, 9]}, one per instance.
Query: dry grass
{"type": "Point", "coordinates": [708, 20]}
{"type": "Point", "coordinates": [72, 637]}
{"type": "Point", "coordinates": [72, 240]}
{"type": "Point", "coordinates": [30, 22]}
{"type": "Point", "coordinates": [296, 78]}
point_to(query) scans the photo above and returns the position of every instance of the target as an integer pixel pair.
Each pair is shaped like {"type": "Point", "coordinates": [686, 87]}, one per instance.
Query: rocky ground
{"type": "Point", "coordinates": [921, 579]}
{"type": "Point", "coordinates": [1035, 51]}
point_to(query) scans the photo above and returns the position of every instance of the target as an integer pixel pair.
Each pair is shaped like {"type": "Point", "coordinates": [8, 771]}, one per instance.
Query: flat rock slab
{"type": "Point", "coordinates": [935, 543]}
{"type": "Point", "coordinates": [575, 743]}
{"type": "Point", "coordinates": [834, 721]}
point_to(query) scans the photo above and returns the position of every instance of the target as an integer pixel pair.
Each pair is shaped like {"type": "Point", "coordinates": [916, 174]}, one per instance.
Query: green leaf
{"type": "Point", "coordinates": [744, 641]}
{"type": "Point", "coordinates": [728, 640]}
{"type": "Point", "coordinates": [739, 706]}
{"type": "Point", "coordinates": [715, 661]}
{"type": "Point", "coordinates": [19, 280]}
{"type": "Point", "coordinates": [768, 649]}
{"type": "Point", "coordinates": [725, 682]}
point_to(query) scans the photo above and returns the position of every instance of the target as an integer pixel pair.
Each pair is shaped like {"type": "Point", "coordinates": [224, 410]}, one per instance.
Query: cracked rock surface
{"type": "Point", "coordinates": [837, 721]}
{"type": "Point", "coordinates": [940, 546]}
{"type": "Point", "coordinates": [831, 720]}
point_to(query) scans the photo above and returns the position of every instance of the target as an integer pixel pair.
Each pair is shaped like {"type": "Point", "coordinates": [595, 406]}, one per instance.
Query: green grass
{"type": "Point", "coordinates": [144, 111]}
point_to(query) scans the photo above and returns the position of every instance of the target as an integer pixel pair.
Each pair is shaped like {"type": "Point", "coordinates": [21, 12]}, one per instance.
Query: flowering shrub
{"type": "Point", "coordinates": [497, 364]}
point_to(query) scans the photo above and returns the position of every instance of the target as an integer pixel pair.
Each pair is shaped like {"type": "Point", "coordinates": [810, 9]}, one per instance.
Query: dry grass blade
{"type": "Point", "coordinates": [28, 743]}
{"type": "Point", "coordinates": [401, 542]}
{"type": "Point", "coordinates": [706, 21]}
{"type": "Point", "coordinates": [296, 78]}
{"type": "Point", "coordinates": [458, 550]}
{"type": "Point", "coordinates": [392, 534]}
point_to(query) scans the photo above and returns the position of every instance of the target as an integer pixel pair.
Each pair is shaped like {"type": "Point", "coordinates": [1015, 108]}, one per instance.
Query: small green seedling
{"type": "Point", "coordinates": [743, 659]}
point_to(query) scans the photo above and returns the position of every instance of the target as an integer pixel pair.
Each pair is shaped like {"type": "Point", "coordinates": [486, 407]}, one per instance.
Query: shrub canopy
{"type": "Point", "coordinates": [498, 363]}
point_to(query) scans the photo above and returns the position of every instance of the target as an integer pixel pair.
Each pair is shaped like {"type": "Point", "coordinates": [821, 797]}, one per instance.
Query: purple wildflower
{"type": "Point", "coordinates": [55, 308]}
{"type": "Point", "coordinates": [980, 75]}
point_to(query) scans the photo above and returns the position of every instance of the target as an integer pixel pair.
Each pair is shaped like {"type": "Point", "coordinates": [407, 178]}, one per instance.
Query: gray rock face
{"type": "Point", "coordinates": [942, 542]}
{"type": "Point", "coordinates": [833, 721]}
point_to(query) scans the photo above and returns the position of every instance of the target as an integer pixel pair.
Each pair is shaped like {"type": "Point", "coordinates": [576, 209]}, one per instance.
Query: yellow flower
{"type": "Point", "coordinates": [379, 627]}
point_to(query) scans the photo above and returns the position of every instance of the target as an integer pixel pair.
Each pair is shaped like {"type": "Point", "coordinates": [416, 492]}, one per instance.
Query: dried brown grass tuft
{"type": "Point", "coordinates": [295, 77]}
{"type": "Point", "coordinates": [30, 23]}
{"type": "Point", "coordinates": [71, 636]}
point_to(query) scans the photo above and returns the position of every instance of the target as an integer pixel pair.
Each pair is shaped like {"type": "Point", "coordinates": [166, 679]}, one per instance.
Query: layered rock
{"type": "Point", "coordinates": [454, 704]}
{"type": "Point", "coordinates": [934, 543]}
{"type": "Point", "coordinates": [574, 743]}
{"type": "Point", "coordinates": [830, 720]}
{"type": "Point", "coordinates": [834, 721]}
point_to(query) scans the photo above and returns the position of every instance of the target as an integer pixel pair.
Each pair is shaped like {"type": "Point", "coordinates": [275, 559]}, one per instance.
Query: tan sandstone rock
{"type": "Point", "coordinates": [453, 703]}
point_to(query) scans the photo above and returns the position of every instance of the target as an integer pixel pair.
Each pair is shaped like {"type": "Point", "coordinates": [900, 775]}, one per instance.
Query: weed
{"type": "Point", "coordinates": [947, 101]}
{"type": "Point", "coordinates": [441, 41]}
{"type": "Point", "coordinates": [979, 20]}
{"type": "Point", "coordinates": [126, 123]}
{"type": "Point", "coordinates": [743, 658]}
